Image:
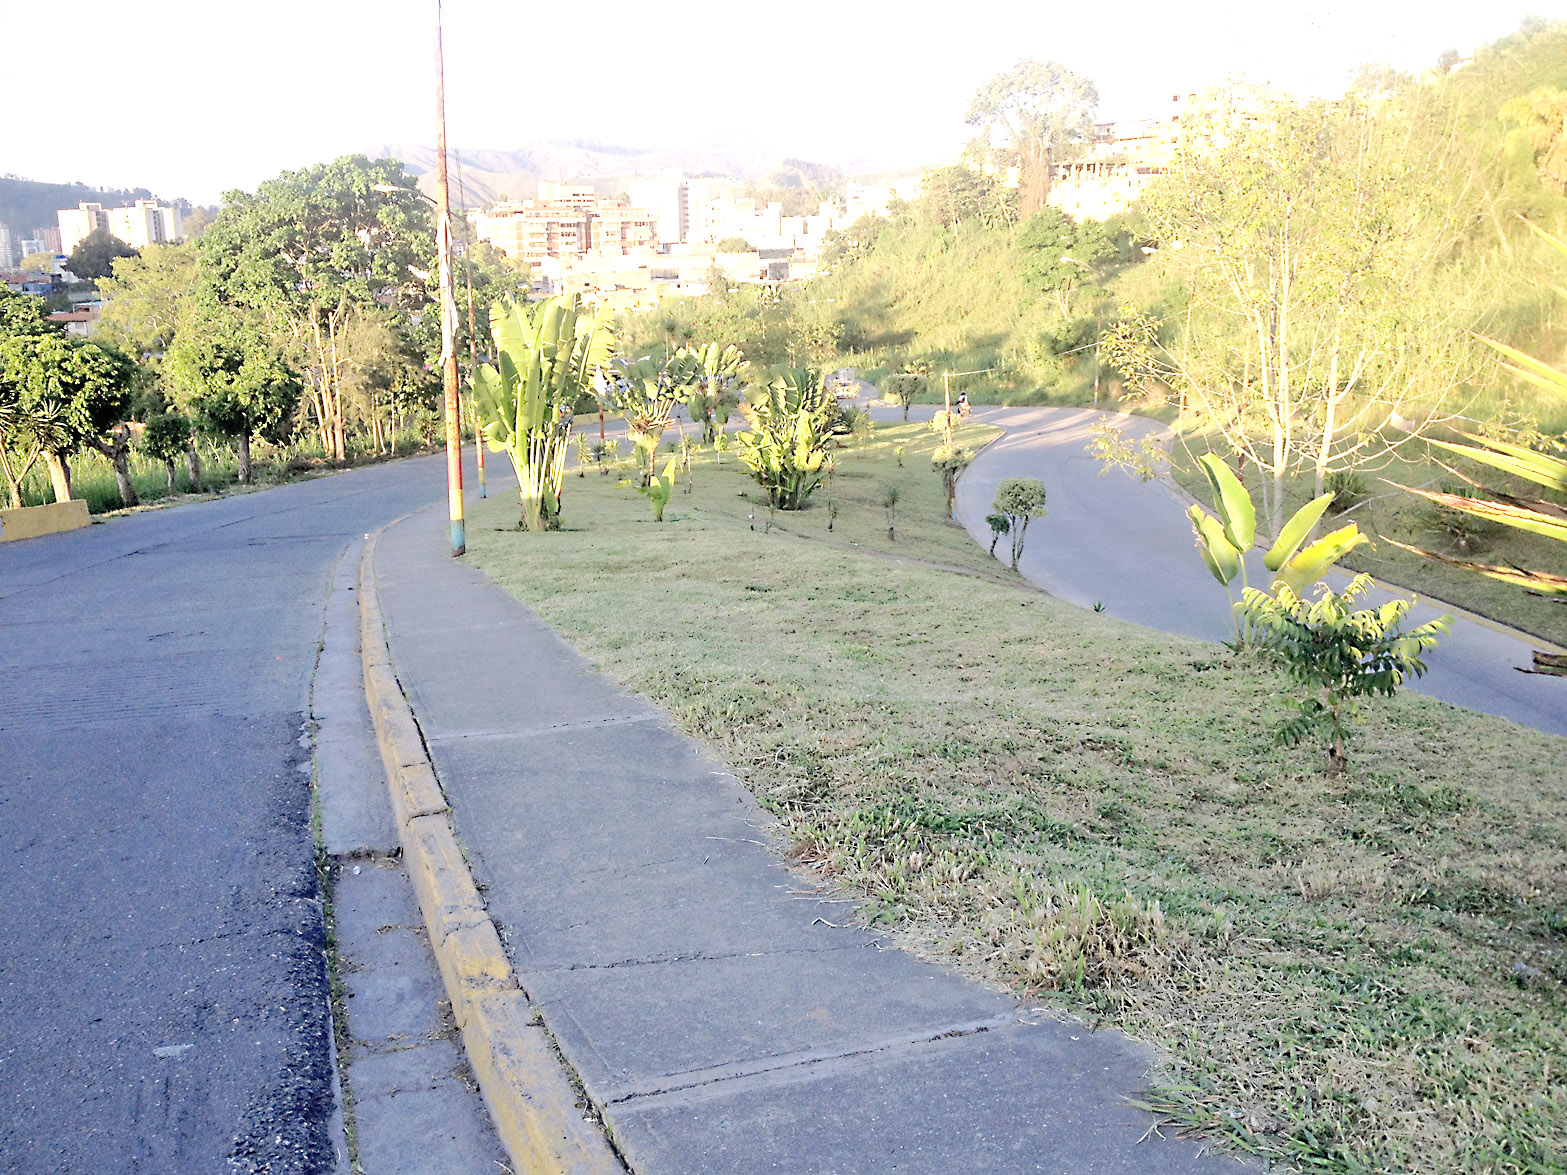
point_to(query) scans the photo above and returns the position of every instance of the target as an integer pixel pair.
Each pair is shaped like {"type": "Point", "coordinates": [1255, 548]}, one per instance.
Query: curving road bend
{"type": "Point", "coordinates": [1111, 539]}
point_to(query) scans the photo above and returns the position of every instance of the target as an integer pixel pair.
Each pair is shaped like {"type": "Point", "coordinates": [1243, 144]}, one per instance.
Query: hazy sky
{"type": "Point", "coordinates": [191, 100]}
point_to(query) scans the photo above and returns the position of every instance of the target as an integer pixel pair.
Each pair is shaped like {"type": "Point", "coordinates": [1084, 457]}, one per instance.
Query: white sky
{"type": "Point", "coordinates": [195, 99]}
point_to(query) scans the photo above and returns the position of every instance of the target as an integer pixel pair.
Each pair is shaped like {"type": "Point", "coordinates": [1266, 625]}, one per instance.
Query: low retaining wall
{"type": "Point", "coordinates": [31, 521]}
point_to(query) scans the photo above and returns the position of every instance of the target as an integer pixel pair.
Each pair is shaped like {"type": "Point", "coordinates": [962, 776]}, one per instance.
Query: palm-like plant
{"type": "Point", "coordinates": [546, 355]}
{"type": "Point", "coordinates": [647, 391]}
{"type": "Point", "coordinates": [793, 419]}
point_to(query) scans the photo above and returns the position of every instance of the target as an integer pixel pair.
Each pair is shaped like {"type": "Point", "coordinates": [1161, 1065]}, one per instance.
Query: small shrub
{"type": "Point", "coordinates": [1348, 488]}
{"type": "Point", "coordinates": [1020, 500]}
{"type": "Point", "coordinates": [1339, 656]}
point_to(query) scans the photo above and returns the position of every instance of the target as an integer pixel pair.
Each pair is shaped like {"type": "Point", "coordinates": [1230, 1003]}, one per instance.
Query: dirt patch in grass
{"type": "Point", "coordinates": [1362, 974]}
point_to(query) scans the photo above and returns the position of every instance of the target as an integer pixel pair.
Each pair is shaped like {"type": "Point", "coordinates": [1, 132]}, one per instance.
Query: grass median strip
{"type": "Point", "coordinates": [1360, 974]}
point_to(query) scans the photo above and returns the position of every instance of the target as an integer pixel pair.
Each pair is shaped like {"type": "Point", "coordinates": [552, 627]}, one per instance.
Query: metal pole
{"type": "Point", "coordinates": [443, 246]}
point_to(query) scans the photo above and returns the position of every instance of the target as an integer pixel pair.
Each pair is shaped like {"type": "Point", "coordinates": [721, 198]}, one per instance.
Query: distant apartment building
{"type": "Point", "coordinates": [1125, 157]}
{"type": "Point", "coordinates": [8, 254]}
{"type": "Point", "coordinates": [571, 223]}
{"type": "Point", "coordinates": [79, 222]}
{"type": "Point", "coordinates": [143, 223]}
{"type": "Point", "coordinates": [50, 238]}
{"type": "Point", "coordinates": [669, 202]}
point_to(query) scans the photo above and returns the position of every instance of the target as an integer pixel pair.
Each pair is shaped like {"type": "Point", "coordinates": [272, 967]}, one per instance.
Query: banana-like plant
{"type": "Point", "coordinates": [546, 355]}
{"type": "Point", "coordinates": [659, 489]}
{"type": "Point", "coordinates": [1224, 537]}
{"type": "Point", "coordinates": [793, 419]}
{"type": "Point", "coordinates": [647, 391]}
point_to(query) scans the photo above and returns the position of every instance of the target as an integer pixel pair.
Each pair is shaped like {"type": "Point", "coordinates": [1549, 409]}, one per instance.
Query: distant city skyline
{"type": "Point", "coordinates": [231, 96]}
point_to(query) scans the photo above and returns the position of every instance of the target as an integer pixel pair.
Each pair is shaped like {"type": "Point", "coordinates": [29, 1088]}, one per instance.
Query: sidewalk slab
{"type": "Point", "coordinates": [716, 1009]}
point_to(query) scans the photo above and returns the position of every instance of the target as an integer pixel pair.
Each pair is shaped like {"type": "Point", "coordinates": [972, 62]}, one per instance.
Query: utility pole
{"type": "Point", "coordinates": [443, 247]}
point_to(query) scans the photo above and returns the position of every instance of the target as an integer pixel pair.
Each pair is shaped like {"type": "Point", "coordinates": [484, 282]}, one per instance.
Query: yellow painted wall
{"type": "Point", "coordinates": [32, 521]}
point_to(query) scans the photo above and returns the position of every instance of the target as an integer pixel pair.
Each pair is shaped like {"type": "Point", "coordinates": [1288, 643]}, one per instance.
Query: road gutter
{"type": "Point", "coordinates": [530, 1093]}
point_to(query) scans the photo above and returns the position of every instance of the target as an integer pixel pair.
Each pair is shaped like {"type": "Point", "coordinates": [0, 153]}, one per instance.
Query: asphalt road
{"type": "Point", "coordinates": [1111, 539]}
{"type": "Point", "coordinates": [163, 1003]}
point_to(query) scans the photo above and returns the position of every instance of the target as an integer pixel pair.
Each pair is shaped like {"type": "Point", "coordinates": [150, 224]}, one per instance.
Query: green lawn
{"type": "Point", "coordinates": [1360, 974]}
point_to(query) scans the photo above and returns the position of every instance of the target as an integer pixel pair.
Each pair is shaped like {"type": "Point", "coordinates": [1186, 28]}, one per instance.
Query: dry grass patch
{"type": "Point", "coordinates": [1363, 974]}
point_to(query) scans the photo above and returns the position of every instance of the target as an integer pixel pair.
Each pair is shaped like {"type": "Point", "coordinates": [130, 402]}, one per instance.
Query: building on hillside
{"type": "Point", "coordinates": [1123, 158]}
{"type": "Point", "coordinates": [79, 222]}
{"type": "Point", "coordinates": [143, 223]}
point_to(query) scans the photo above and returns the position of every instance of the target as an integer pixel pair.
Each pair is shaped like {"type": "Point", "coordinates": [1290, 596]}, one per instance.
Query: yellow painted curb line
{"type": "Point", "coordinates": [530, 1097]}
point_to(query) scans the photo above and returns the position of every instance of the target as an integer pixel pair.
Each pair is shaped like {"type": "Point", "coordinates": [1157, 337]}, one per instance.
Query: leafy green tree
{"type": "Point", "coordinates": [1541, 119]}
{"type": "Point", "coordinates": [22, 314]}
{"type": "Point", "coordinates": [1338, 655]}
{"type": "Point", "coordinates": [733, 245]}
{"type": "Point", "coordinates": [166, 437]}
{"type": "Point", "coordinates": [950, 461]}
{"type": "Point", "coordinates": [96, 253]}
{"type": "Point", "coordinates": [143, 298]}
{"type": "Point", "coordinates": [1312, 248]}
{"type": "Point", "coordinates": [1058, 253]}
{"type": "Point", "coordinates": [312, 249]}
{"type": "Point", "coordinates": [1019, 500]}
{"type": "Point", "coordinates": [793, 418]}
{"type": "Point", "coordinates": [546, 357]}
{"type": "Point", "coordinates": [40, 262]}
{"type": "Point", "coordinates": [958, 195]}
{"type": "Point", "coordinates": [999, 525]}
{"type": "Point", "coordinates": [1040, 109]}
{"type": "Point", "coordinates": [58, 394]}
{"type": "Point", "coordinates": [905, 387]}
{"type": "Point", "coordinates": [235, 384]}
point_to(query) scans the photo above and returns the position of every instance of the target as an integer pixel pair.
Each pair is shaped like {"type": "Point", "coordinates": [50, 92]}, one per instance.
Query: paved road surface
{"type": "Point", "coordinates": [162, 996]}
{"type": "Point", "coordinates": [1127, 544]}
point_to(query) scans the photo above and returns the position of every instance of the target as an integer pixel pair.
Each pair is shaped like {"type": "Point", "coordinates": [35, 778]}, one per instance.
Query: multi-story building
{"type": "Point", "coordinates": [571, 227]}
{"type": "Point", "coordinates": [1125, 157]}
{"type": "Point", "coordinates": [669, 200]}
{"type": "Point", "coordinates": [143, 223]}
{"type": "Point", "coordinates": [79, 222]}
{"type": "Point", "coordinates": [50, 238]}
{"type": "Point", "coordinates": [8, 254]}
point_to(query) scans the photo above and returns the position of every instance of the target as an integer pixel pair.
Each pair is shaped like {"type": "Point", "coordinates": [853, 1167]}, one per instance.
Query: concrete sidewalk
{"type": "Point", "coordinates": [715, 1008]}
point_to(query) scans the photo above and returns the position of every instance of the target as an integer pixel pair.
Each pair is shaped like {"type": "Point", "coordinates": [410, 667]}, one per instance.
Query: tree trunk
{"type": "Point", "coordinates": [242, 446]}
{"type": "Point", "coordinates": [193, 466]}
{"type": "Point", "coordinates": [59, 475]}
{"type": "Point", "coordinates": [168, 473]}
{"type": "Point", "coordinates": [118, 451]}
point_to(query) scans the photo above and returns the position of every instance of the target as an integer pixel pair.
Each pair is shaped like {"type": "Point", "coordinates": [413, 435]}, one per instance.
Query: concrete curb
{"type": "Point", "coordinates": [529, 1094]}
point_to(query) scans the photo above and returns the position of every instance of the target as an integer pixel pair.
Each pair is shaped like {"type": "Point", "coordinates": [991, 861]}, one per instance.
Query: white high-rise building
{"type": "Point", "coordinates": [669, 201]}
{"type": "Point", "coordinates": [143, 223]}
{"type": "Point", "coordinates": [79, 222]}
